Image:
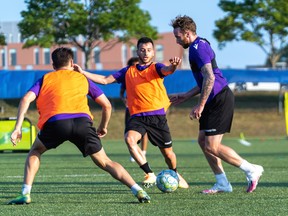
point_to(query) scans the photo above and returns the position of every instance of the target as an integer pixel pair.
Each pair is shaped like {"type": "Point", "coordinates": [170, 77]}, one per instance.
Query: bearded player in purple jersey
{"type": "Point", "coordinates": [215, 107]}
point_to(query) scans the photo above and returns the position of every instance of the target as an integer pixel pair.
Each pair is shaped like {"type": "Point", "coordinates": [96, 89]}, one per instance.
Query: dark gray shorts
{"type": "Point", "coordinates": [217, 115]}
{"type": "Point", "coordinates": [156, 127]}
{"type": "Point", "coordinates": [79, 131]}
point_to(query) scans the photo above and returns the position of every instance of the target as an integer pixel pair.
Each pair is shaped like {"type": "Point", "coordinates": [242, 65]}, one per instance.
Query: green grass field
{"type": "Point", "coordinates": [68, 184]}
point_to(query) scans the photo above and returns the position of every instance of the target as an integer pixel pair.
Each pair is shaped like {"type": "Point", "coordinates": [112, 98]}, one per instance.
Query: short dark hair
{"type": "Point", "coordinates": [61, 57]}
{"type": "Point", "coordinates": [132, 61]}
{"type": "Point", "coordinates": [144, 40]}
{"type": "Point", "coordinates": [184, 23]}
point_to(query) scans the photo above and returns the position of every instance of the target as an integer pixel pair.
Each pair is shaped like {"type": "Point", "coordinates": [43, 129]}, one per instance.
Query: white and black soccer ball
{"type": "Point", "coordinates": [167, 181]}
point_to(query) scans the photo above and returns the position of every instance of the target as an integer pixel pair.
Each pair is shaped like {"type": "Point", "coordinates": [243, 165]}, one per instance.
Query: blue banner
{"type": "Point", "coordinates": [14, 84]}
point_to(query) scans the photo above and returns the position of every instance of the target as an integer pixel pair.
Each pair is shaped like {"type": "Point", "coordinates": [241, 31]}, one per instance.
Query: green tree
{"type": "Point", "coordinates": [85, 24]}
{"type": "Point", "coordinates": [262, 22]}
{"type": "Point", "coordinates": [2, 40]}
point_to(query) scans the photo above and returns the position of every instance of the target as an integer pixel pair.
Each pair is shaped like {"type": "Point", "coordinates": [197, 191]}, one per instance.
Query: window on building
{"type": "Point", "coordinates": [3, 59]}
{"type": "Point", "coordinates": [133, 51]}
{"type": "Point", "coordinates": [13, 57]}
{"type": "Point", "coordinates": [74, 49]}
{"type": "Point", "coordinates": [159, 53]}
{"type": "Point", "coordinates": [124, 54]}
{"type": "Point", "coordinates": [36, 56]}
{"type": "Point", "coordinates": [97, 55]}
{"type": "Point", "coordinates": [46, 52]}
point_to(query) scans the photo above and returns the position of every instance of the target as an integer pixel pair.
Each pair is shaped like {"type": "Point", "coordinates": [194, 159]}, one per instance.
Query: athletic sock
{"type": "Point", "coordinates": [246, 166]}
{"type": "Point", "coordinates": [222, 179]}
{"type": "Point", "coordinates": [146, 168]}
{"type": "Point", "coordinates": [135, 188]}
{"type": "Point", "coordinates": [175, 170]}
{"type": "Point", "coordinates": [26, 189]}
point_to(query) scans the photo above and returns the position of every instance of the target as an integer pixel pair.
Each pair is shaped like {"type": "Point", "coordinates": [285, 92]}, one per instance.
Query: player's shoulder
{"type": "Point", "coordinates": [199, 44]}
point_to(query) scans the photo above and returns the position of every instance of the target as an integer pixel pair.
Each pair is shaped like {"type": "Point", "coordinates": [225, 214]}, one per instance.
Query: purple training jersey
{"type": "Point", "coordinates": [201, 53]}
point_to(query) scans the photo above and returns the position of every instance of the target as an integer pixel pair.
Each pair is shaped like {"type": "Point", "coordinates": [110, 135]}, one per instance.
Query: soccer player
{"type": "Point", "coordinates": [214, 109]}
{"type": "Point", "coordinates": [61, 99]}
{"type": "Point", "coordinates": [147, 102]}
{"type": "Point", "coordinates": [144, 140]}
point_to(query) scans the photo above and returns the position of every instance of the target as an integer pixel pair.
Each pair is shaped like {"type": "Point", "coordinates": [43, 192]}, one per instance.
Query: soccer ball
{"type": "Point", "coordinates": [167, 181]}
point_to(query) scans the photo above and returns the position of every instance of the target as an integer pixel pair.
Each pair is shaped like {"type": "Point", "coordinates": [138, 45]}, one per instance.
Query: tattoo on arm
{"type": "Point", "coordinates": [208, 83]}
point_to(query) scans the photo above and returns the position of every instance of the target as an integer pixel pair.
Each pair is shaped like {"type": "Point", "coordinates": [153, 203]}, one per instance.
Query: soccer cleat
{"type": "Point", "coordinates": [149, 181]}
{"type": "Point", "coordinates": [217, 188]}
{"type": "Point", "coordinates": [253, 178]}
{"type": "Point", "coordinates": [20, 200]}
{"type": "Point", "coordinates": [182, 182]}
{"type": "Point", "coordinates": [143, 197]}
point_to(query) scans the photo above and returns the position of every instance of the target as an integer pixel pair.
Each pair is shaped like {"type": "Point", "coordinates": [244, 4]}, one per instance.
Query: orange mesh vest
{"type": "Point", "coordinates": [145, 90]}
{"type": "Point", "coordinates": [62, 92]}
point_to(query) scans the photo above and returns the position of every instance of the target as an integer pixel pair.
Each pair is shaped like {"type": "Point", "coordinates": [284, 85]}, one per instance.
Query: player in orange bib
{"type": "Point", "coordinates": [147, 102]}
{"type": "Point", "coordinates": [144, 140]}
{"type": "Point", "coordinates": [64, 115]}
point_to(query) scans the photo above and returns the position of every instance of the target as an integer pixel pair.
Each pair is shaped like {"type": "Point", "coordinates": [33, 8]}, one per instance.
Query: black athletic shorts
{"type": "Point", "coordinates": [77, 130]}
{"type": "Point", "coordinates": [217, 115]}
{"type": "Point", "coordinates": [156, 127]}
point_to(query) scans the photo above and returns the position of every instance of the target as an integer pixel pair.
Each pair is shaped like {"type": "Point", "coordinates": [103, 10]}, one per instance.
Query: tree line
{"type": "Point", "coordinates": [49, 22]}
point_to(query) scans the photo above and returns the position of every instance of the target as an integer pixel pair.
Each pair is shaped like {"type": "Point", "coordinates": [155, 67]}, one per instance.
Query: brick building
{"type": "Point", "coordinates": [14, 57]}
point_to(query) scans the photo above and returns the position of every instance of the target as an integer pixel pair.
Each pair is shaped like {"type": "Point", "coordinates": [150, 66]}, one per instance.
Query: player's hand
{"type": "Point", "coordinates": [101, 132]}
{"type": "Point", "coordinates": [196, 112]}
{"type": "Point", "coordinates": [78, 68]}
{"type": "Point", "coordinates": [16, 137]}
{"type": "Point", "coordinates": [175, 61]}
{"type": "Point", "coordinates": [176, 99]}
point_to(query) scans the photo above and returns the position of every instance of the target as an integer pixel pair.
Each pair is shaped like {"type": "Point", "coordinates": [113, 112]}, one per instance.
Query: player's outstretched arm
{"type": "Point", "coordinates": [174, 62]}
{"type": "Point", "coordinates": [176, 99]}
{"type": "Point", "coordinates": [97, 78]}
{"type": "Point", "coordinates": [16, 134]}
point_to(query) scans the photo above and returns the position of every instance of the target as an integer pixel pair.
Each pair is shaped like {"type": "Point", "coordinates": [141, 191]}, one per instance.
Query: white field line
{"type": "Point", "coordinates": [64, 176]}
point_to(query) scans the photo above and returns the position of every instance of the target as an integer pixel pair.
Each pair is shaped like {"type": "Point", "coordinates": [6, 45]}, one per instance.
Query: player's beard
{"type": "Point", "coordinates": [185, 43]}
{"type": "Point", "coordinates": [185, 46]}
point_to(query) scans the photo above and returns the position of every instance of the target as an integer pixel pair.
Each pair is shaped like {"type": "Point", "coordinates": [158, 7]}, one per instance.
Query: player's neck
{"type": "Point", "coordinates": [145, 63]}
{"type": "Point", "coordinates": [65, 68]}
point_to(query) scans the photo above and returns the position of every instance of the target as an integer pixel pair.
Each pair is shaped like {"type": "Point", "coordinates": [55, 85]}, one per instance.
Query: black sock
{"type": "Point", "coordinates": [175, 170]}
{"type": "Point", "coordinates": [146, 168]}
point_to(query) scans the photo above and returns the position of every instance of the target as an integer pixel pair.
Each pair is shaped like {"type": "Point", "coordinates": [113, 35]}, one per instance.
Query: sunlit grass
{"type": "Point", "coordinates": [68, 184]}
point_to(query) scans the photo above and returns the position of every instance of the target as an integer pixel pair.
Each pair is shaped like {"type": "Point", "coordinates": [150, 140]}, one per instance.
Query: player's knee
{"type": "Point", "coordinates": [201, 143]}
{"type": "Point", "coordinates": [130, 140]}
{"type": "Point", "coordinates": [211, 150]}
{"type": "Point", "coordinates": [170, 155]}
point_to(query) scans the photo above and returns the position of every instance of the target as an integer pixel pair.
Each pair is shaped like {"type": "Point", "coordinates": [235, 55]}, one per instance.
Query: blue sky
{"type": "Point", "coordinates": [205, 12]}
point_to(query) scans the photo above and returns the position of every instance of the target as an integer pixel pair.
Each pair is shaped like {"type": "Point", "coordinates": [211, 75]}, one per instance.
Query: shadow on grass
{"type": "Point", "coordinates": [261, 184]}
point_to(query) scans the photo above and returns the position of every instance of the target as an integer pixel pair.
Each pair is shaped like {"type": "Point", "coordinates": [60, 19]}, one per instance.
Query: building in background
{"type": "Point", "coordinates": [14, 57]}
